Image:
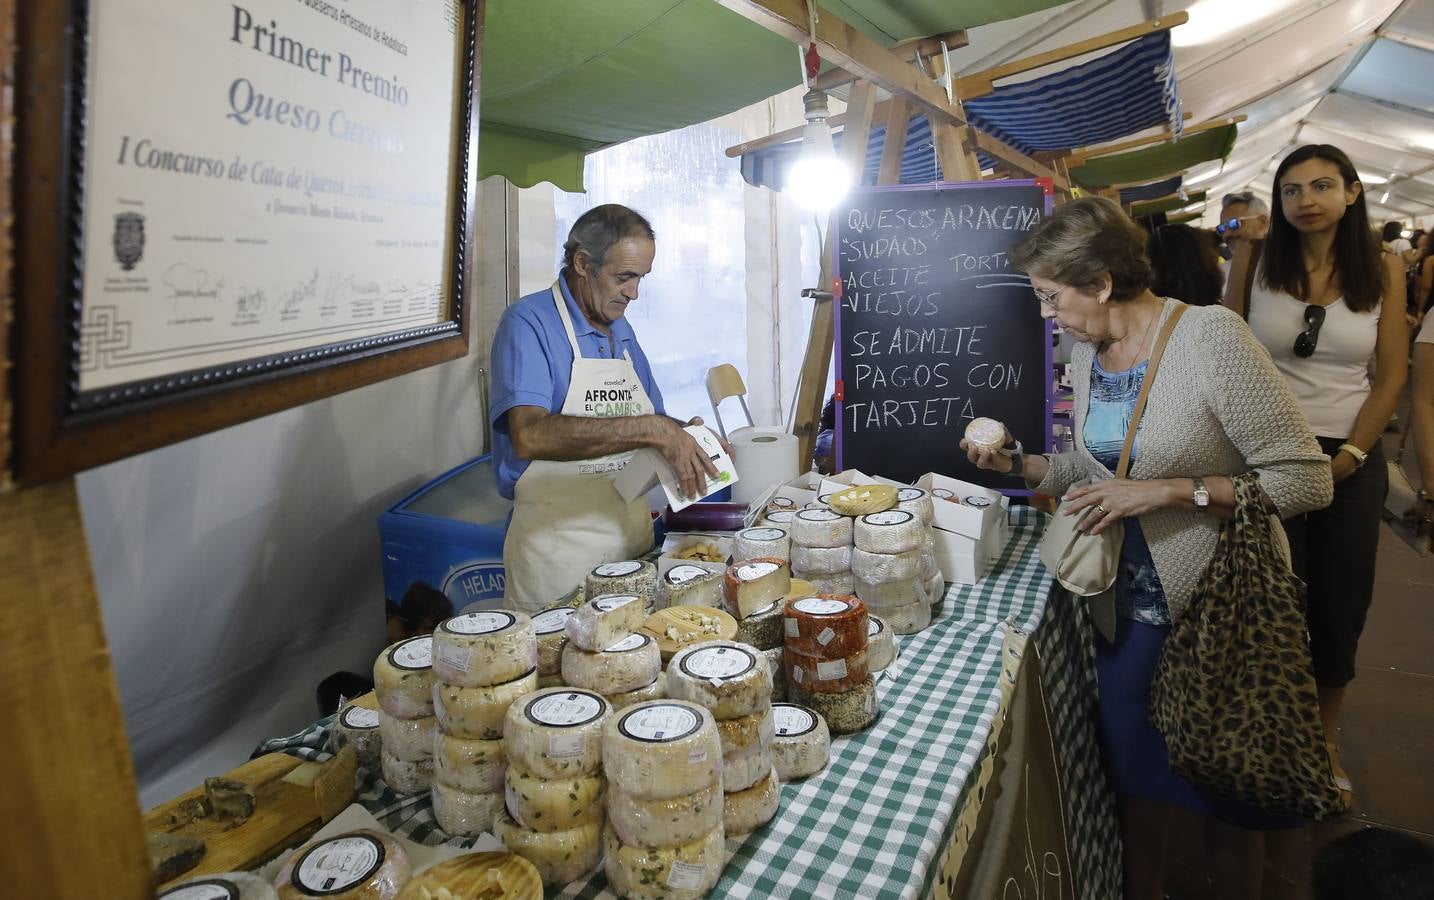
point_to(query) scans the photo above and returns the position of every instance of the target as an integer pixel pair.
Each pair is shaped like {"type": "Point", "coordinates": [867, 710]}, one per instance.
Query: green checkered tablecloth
{"type": "Point", "coordinates": [873, 823]}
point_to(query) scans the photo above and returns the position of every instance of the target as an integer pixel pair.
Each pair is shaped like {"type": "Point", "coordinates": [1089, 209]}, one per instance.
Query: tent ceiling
{"type": "Point", "coordinates": [887, 22]}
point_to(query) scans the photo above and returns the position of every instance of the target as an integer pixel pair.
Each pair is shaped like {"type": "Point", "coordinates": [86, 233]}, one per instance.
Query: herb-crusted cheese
{"type": "Point", "coordinates": [726, 677]}
{"type": "Point", "coordinates": [476, 766]}
{"type": "Point", "coordinates": [557, 733]}
{"type": "Point", "coordinates": [603, 621]}
{"type": "Point", "coordinates": [664, 823]}
{"type": "Point", "coordinates": [405, 776]}
{"type": "Point", "coordinates": [746, 733]}
{"type": "Point", "coordinates": [625, 577]}
{"type": "Point", "coordinates": [484, 648]}
{"type": "Point", "coordinates": [655, 691]}
{"type": "Point", "coordinates": [478, 712]}
{"type": "Point", "coordinates": [846, 713]}
{"type": "Point", "coordinates": [357, 726]}
{"type": "Point", "coordinates": [802, 744]}
{"type": "Point", "coordinates": [561, 857]}
{"type": "Point", "coordinates": [661, 749]}
{"type": "Point", "coordinates": [627, 665]}
{"type": "Point", "coordinates": [742, 770]}
{"type": "Point", "coordinates": [407, 739]}
{"type": "Point", "coordinates": [550, 627]}
{"type": "Point", "coordinates": [554, 804]}
{"type": "Point", "coordinates": [684, 872]}
{"type": "Point", "coordinates": [403, 678]}
{"type": "Point", "coordinates": [745, 811]}
{"type": "Point", "coordinates": [763, 628]}
{"type": "Point", "coordinates": [776, 659]}
{"type": "Point", "coordinates": [464, 813]}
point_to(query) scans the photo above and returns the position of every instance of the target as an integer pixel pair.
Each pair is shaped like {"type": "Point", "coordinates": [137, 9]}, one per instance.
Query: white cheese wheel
{"type": "Point", "coordinates": [226, 886]}
{"type": "Point", "coordinates": [406, 776]}
{"type": "Point", "coordinates": [985, 433]}
{"type": "Point", "coordinates": [893, 531]}
{"type": "Point", "coordinates": [927, 567]}
{"type": "Point", "coordinates": [763, 628]}
{"type": "Point", "coordinates": [403, 678]}
{"type": "Point", "coordinates": [475, 766]}
{"type": "Point", "coordinates": [664, 823]}
{"type": "Point", "coordinates": [886, 594]}
{"type": "Point", "coordinates": [845, 713]}
{"type": "Point", "coordinates": [629, 576]}
{"type": "Point", "coordinates": [557, 733]}
{"type": "Point", "coordinates": [781, 518]}
{"type": "Point", "coordinates": [662, 749]}
{"type": "Point", "coordinates": [477, 712]}
{"type": "Point", "coordinates": [357, 726]}
{"type": "Point", "coordinates": [917, 501]}
{"type": "Point", "coordinates": [407, 739]}
{"type": "Point", "coordinates": [655, 691]}
{"type": "Point", "coordinates": [802, 745]}
{"type": "Point", "coordinates": [726, 677]}
{"type": "Point", "coordinates": [479, 649]}
{"type": "Point", "coordinates": [878, 568]}
{"type": "Point", "coordinates": [627, 665]}
{"type": "Point", "coordinates": [880, 644]}
{"type": "Point", "coordinates": [743, 812]}
{"type": "Point", "coordinates": [936, 589]}
{"type": "Point", "coordinates": [684, 872]}
{"type": "Point", "coordinates": [463, 813]}
{"type": "Point", "coordinates": [742, 770]}
{"type": "Point", "coordinates": [763, 540]}
{"type": "Point", "coordinates": [825, 626]}
{"type": "Point", "coordinates": [841, 583]}
{"type": "Point", "coordinates": [554, 680]}
{"type": "Point", "coordinates": [356, 865]}
{"type": "Point", "coordinates": [755, 584]}
{"type": "Point", "coordinates": [821, 560]}
{"type": "Point", "coordinates": [554, 804]}
{"type": "Point", "coordinates": [603, 621]}
{"type": "Point", "coordinates": [826, 674]}
{"type": "Point", "coordinates": [550, 628]}
{"type": "Point", "coordinates": [746, 733]}
{"type": "Point", "coordinates": [687, 585]}
{"type": "Point", "coordinates": [821, 528]}
{"type": "Point", "coordinates": [561, 857]}
{"type": "Point", "coordinates": [908, 619]}
{"type": "Point", "coordinates": [775, 660]}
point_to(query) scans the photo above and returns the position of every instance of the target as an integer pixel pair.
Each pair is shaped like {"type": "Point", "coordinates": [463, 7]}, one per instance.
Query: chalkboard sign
{"type": "Point", "coordinates": [935, 328]}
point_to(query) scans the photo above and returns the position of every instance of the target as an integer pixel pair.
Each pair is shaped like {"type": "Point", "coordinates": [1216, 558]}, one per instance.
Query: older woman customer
{"type": "Point", "coordinates": [1217, 408]}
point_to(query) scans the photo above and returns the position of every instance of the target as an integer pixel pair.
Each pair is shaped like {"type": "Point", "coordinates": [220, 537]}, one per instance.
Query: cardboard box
{"type": "Point", "coordinates": [800, 490]}
{"type": "Point", "coordinates": [845, 479]}
{"type": "Point", "coordinates": [965, 560]}
{"type": "Point", "coordinates": [648, 469]}
{"type": "Point", "coordinates": [678, 541]}
{"type": "Point", "coordinates": [968, 518]}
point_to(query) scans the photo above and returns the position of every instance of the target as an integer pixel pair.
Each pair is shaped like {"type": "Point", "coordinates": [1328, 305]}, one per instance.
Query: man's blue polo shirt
{"type": "Point", "coordinates": [532, 363]}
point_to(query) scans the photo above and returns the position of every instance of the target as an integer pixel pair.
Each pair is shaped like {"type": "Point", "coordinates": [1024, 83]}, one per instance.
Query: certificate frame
{"type": "Point", "coordinates": [56, 428]}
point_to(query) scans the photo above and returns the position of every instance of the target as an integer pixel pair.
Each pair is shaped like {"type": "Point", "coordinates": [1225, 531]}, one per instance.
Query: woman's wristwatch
{"type": "Point", "coordinates": [1359, 455]}
{"type": "Point", "coordinates": [1018, 461]}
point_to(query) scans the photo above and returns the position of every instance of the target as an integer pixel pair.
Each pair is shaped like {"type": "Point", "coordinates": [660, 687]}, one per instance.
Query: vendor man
{"type": "Point", "coordinates": [573, 397]}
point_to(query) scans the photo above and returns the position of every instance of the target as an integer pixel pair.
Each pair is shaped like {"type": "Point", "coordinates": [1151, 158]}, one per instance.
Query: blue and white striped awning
{"type": "Point", "coordinates": [1151, 191]}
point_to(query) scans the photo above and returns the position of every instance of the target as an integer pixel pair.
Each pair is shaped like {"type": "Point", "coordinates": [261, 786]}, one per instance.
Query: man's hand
{"type": "Point", "coordinates": [685, 456]}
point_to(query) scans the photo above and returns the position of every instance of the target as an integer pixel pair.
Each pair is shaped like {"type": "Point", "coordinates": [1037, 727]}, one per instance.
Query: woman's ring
{"type": "Point", "coordinates": [1101, 508]}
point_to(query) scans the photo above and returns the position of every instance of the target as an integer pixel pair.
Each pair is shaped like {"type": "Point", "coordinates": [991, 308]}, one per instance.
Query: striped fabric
{"type": "Point", "coordinates": [1151, 191]}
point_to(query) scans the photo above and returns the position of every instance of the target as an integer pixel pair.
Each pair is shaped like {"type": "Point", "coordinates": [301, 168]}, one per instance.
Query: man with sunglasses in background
{"type": "Point", "coordinates": [1243, 218]}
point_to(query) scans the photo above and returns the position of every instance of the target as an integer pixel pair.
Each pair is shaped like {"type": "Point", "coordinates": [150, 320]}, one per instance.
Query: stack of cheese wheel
{"type": "Point", "coordinates": [664, 835]}
{"type": "Point", "coordinates": [734, 682]}
{"type": "Point", "coordinates": [767, 637]}
{"type": "Point", "coordinates": [484, 662]}
{"type": "Point", "coordinates": [929, 571]}
{"type": "Point", "coordinates": [550, 628]}
{"type": "Point", "coordinates": [781, 518]}
{"type": "Point", "coordinates": [357, 725]}
{"type": "Point", "coordinates": [607, 654]}
{"type": "Point", "coordinates": [403, 682]}
{"type": "Point", "coordinates": [629, 576]}
{"type": "Point", "coordinates": [826, 661]}
{"type": "Point", "coordinates": [554, 786]}
{"type": "Point", "coordinates": [770, 541]}
{"type": "Point", "coordinates": [886, 564]}
{"type": "Point", "coordinates": [821, 550]}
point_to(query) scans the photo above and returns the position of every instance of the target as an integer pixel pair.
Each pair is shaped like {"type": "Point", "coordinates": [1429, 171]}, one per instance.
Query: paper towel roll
{"type": "Point", "coordinates": [763, 457]}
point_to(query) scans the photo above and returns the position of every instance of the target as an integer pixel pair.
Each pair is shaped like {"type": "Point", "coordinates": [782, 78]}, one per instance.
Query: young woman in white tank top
{"type": "Point", "coordinates": [1326, 303]}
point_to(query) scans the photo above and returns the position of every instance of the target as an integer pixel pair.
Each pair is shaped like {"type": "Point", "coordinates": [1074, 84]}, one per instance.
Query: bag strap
{"type": "Point", "coordinates": [1242, 276]}
{"type": "Point", "coordinates": [1155, 354]}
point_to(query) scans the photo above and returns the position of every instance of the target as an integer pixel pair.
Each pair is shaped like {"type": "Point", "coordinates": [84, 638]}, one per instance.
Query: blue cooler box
{"type": "Point", "coordinates": [449, 534]}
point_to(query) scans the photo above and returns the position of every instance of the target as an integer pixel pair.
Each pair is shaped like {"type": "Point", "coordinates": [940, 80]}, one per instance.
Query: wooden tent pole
{"type": "Point", "coordinates": [898, 118]}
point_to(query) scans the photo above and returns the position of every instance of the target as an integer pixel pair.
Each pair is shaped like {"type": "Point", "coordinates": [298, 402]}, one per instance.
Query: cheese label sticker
{"type": "Point", "coordinates": [821, 606]}
{"type": "Point", "coordinates": [612, 602]}
{"type": "Point", "coordinates": [566, 744]}
{"type": "Point", "coordinates": [825, 636]}
{"type": "Point", "coordinates": [684, 876]}
{"type": "Point", "coordinates": [797, 674]}
{"type": "Point", "coordinates": [550, 621]}
{"type": "Point", "coordinates": [565, 709]}
{"type": "Point", "coordinates": [659, 723]}
{"type": "Point", "coordinates": [479, 623]}
{"type": "Point", "coordinates": [817, 515]}
{"type": "Point", "coordinates": [631, 642]}
{"type": "Point", "coordinates": [208, 889]}
{"type": "Point", "coordinates": [618, 569]}
{"type": "Point", "coordinates": [753, 571]}
{"type": "Point", "coordinates": [792, 720]}
{"type": "Point", "coordinates": [874, 626]}
{"type": "Point", "coordinates": [684, 574]}
{"type": "Point", "coordinates": [781, 516]}
{"type": "Point", "coordinates": [763, 611]}
{"type": "Point", "coordinates": [907, 494]}
{"type": "Point", "coordinates": [828, 670]}
{"type": "Point", "coordinates": [718, 662]}
{"type": "Point", "coordinates": [456, 658]}
{"type": "Point", "coordinates": [337, 865]}
{"type": "Point", "coordinates": [943, 494]}
{"type": "Point", "coordinates": [978, 501]}
{"type": "Point", "coordinates": [763, 534]}
{"type": "Point", "coordinates": [779, 503]}
{"type": "Point", "coordinates": [870, 703]}
{"type": "Point", "coordinates": [791, 628]}
{"type": "Point", "coordinates": [414, 653]}
{"type": "Point", "coordinates": [890, 517]}
{"type": "Point", "coordinates": [360, 717]}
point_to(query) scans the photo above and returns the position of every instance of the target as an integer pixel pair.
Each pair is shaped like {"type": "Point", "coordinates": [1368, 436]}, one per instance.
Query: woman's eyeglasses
{"type": "Point", "coordinates": [1047, 298]}
{"type": "Point", "coordinates": [1309, 338]}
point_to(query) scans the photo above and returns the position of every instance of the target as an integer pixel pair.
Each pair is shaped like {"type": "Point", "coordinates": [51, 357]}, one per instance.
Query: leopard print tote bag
{"type": "Point", "coordinates": [1234, 690]}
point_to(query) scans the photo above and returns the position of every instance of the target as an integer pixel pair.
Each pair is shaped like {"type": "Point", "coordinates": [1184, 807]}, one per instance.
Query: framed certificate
{"type": "Point", "coordinates": [229, 208]}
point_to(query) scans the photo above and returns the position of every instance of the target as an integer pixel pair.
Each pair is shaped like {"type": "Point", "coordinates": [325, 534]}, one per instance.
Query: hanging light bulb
{"type": "Point", "coordinates": [817, 180]}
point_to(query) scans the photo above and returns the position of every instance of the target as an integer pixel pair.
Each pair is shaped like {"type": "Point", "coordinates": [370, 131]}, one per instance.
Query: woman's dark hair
{"type": "Point", "coordinates": [599, 228]}
{"type": "Point", "coordinates": [1081, 243]}
{"type": "Point", "coordinates": [1392, 230]}
{"type": "Point", "coordinates": [1358, 260]}
{"type": "Point", "coordinates": [1185, 264]}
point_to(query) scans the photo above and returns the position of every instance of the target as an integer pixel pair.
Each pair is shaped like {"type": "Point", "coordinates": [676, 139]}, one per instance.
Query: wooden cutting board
{"type": "Point", "coordinates": [467, 876]}
{"type": "Point", "coordinates": [690, 624]}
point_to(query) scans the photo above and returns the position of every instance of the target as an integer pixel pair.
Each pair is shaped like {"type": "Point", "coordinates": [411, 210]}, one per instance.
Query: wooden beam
{"type": "Point", "coordinates": [957, 162]}
{"type": "Point", "coordinates": [792, 134]}
{"type": "Point", "coordinates": [1018, 160]}
{"type": "Point", "coordinates": [833, 78]}
{"type": "Point", "coordinates": [981, 83]}
{"type": "Point", "coordinates": [931, 46]}
{"type": "Point", "coordinates": [898, 117]}
{"type": "Point", "coordinates": [1078, 157]}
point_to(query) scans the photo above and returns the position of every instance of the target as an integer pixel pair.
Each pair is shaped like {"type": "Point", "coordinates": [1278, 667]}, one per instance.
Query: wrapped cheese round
{"type": "Point", "coordinates": [755, 584]}
{"type": "Point", "coordinates": [762, 541]}
{"type": "Point", "coordinates": [826, 675]}
{"type": "Point", "coordinates": [763, 628]}
{"type": "Point", "coordinates": [986, 434]}
{"type": "Point", "coordinates": [880, 644]}
{"type": "Point", "coordinates": [845, 713]}
{"type": "Point", "coordinates": [557, 733]}
{"type": "Point", "coordinates": [407, 739]}
{"type": "Point", "coordinates": [893, 531]}
{"type": "Point", "coordinates": [357, 725]}
{"type": "Point", "coordinates": [908, 619]}
{"type": "Point", "coordinates": [917, 501]}
{"type": "Point", "coordinates": [827, 625]}
{"type": "Point", "coordinates": [627, 665]}
{"type": "Point", "coordinates": [477, 712]}
{"type": "Point", "coordinates": [554, 804]}
{"type": "Point", "coordinates": [465, 814]}
{"type": "Point", "coordinates": [745, 811]}
{"type": "Point", "coordinates": [746, 733]}
{"type": "Point", "coordinates": [550, 628]}
{"type": "Point", "coordinates": [406, 776]}
{"type": "Point", "coordinates": [599, 623]}
{"type": "Point", "coordinates": [776, 659]}
{"type": "Point", "coordinates": [479, 649]}
{"type": "Point", "coordinates": [664, 823]}
{"type": "Point", "coordinates": [629, 576]}
{"type": "Point", "coordinates": [356, 865]}
{"type": "Point", "coordinates": [661, 749]}
{"type": "Point", "coordinates": [742, 770]}
{"type": "Point", "coordinates": [685, 872]}
{"type": "Point", "coordinates": [781, 518]}
{"type": "Point", "coordinates": [727, 677]}
{"type": "Point", "coordinates": [840, 583]}
{"type": "Point", "coordinates": [475, 766]}
{"type": "Point", "coordinates": [802, 744]}
{"type": "Point", "coordinates": [554, 680]}
{"type": "Point", "coordinates": [687, 585]}
{"type": "Point", "coordinates": [229, 886]}
{"type": "Point", "coordinates": [884, 595]}
{"type": "Point", "coordinates": [821, 528]}
{"type": "Point", "coordinates": [878, 568]}
{"type": "Point", "coordinates": [403, 678]}
{"type": "Point", "coordinates": [655, 691]}
{"type": "Point", "coordinates": [561, 857]}
{"type": "Point", "coordinates": [821, 560]}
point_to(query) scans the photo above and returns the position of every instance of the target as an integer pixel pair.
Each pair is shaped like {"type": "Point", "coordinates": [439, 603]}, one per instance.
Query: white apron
{"type": "Point", "coordinates": [567, 516]}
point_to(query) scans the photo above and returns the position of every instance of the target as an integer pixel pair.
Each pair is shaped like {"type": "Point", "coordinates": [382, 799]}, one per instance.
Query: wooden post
{"type": "Point", "coordinates": [957, 162]}
{"type": "Point", "coordinates": [898, 118]}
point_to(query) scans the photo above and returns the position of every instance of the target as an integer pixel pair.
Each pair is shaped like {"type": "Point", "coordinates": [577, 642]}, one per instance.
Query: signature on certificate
{"type": "Point", "coordinates": [305, 290]}
{"type": "Point", "coordinates": [187, 283]}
